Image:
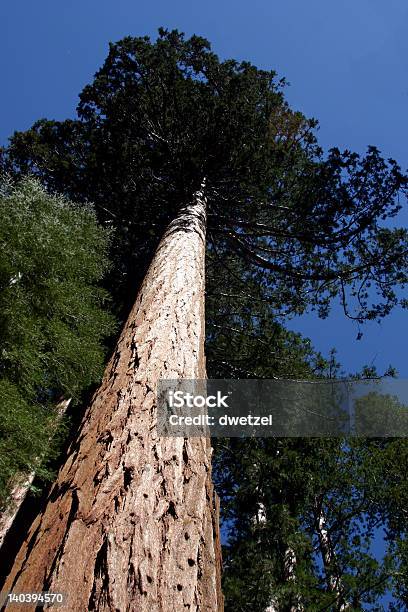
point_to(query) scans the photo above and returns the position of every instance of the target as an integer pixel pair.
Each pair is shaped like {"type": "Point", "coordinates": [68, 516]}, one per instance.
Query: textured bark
{"type": "Point", "coordinates": [21, 487]}
{"type": "Point", "coordinates": [130, 523]}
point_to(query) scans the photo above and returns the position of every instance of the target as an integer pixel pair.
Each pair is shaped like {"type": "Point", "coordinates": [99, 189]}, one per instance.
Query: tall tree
{"type": "Point", "coordinates": [156, 121]}
{"type": "Point", "coordinates": [159, 117]}
{"type": "Point", "coordinates": [130, 521]}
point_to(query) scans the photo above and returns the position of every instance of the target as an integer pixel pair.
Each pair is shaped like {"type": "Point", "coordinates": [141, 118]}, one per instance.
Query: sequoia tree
{"type": "Point", "coordinates": [130, 523]}
{"type": "Point", "coordinates": [166, 130]}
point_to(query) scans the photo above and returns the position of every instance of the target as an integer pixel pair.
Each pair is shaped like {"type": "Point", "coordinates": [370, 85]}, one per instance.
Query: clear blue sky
{"type": "Point", "coordinates": [346, 62]}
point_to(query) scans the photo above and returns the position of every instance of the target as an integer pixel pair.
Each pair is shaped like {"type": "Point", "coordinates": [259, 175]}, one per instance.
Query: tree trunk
{"type": "Point", "coordinates": [22, 485]}
{"type": "Point", "coordinates": [131, 524]}
{"type": "Point", "coordinates": [290, 562]}
{"type": "Point", "coordinates": [289, 565]}
{"type": "Point", "coordinates": [333, 576]}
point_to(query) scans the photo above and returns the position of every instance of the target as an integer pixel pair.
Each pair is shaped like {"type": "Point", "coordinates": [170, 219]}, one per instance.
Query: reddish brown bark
{"type": "Point", "coordinates": [130, 524]}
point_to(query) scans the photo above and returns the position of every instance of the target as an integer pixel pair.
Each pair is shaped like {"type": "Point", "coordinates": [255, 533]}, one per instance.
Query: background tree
{"type": "Point", "coordinates": [53, 319]}
{"type": "Point", "coordinates": [330, 501]}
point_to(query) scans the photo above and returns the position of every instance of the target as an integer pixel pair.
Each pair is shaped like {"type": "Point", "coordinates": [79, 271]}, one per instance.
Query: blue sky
{"type": "Point", "coordinates": [346, 62]}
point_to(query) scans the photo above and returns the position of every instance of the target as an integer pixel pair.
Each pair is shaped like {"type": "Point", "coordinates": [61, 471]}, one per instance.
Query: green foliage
{"type": "Point", "coordinates": [378, 415]}
{"type": "Point", "coordinates": [53, 317]}
{"type": "Point", "coordinates": [275, 492]}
